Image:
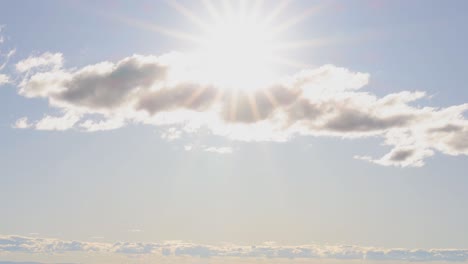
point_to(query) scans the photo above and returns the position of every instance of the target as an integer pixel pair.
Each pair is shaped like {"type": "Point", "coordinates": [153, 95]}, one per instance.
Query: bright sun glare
{"type": "Point", "coordinates": [237, 53]}
{"type": "Point", "coordinates": [239, 45]}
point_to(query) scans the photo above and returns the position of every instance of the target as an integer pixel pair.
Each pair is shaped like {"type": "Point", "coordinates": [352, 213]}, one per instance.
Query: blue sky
{"type": "Point", "coordinates": [365, 146]}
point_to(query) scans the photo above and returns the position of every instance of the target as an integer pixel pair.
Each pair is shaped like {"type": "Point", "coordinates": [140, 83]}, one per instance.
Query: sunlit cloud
{"type": "Point", "coordinates": [326, 101]}
{"type": "Point", "coordinates": [46, 60]}
{"type": "Point", "coordinates": [22, 123]}
{"type": "Point", "coordinates": [52, 246]}
{"type": "Point", "coordinates": [226, 86]}
{"type": "Point", "coordinates": [4, 79]}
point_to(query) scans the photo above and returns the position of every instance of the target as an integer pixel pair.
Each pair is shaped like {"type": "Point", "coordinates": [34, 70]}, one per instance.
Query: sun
{"type": "Point", "coordinates": [240, 45]}
{"type": "Point", "coordinates": [237, 52]}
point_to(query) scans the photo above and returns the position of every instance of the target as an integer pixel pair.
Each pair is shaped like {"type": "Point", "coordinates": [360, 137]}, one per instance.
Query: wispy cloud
{"type": "Point", "coordinates": [219, 150]}
{"type": "Point", "coordinates": [22, 123]}
{"type": "Point", "coordinates": [34, 245]}
{"type": "Point", "coordinates": [45, 61]}
{"type": "Point", "coordinates": [327, 101]}
{"type": "Point", "coordinates": [4, 58]}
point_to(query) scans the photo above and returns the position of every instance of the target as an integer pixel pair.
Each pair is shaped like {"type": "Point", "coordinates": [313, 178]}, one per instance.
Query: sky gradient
{"type": "Point", "coordinates": [118, 145]}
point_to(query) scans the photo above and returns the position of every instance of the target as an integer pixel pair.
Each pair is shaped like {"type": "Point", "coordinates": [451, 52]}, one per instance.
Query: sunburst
{"type": "Point", "coordinates": [240, 46]}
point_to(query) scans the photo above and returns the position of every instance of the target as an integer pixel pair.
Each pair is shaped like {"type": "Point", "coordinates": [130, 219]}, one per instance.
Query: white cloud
{"type": "Point", "coordinates": [4, 79]}
{"type": "Point", "coordinates": [7, 57]}
{"type": "Point", "coordinates": [60, 123]}
{"type": "Point", "coordinates": [4, 59]}
{"type": "Point", "coordinates": [109, 124]}
{"type": "Point", "coordinates": [171, 133]}
{"type": "Point", "coordinates": [47, 60]}
{"type": "Point", "coordinates": [219, 150]}
{"type": "Point", "coordinates": [37, 245]}
{"type": "Point", "coordinates": [327, 101]}
{"type": "Point", "coordinates": [188, 147]}
{"type": "Point", "coordinates": [22, 123]}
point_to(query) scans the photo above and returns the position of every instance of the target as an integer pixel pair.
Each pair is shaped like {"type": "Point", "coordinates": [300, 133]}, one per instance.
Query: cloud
{"type": "Point", "coordinates": [326, 101]}
{"type": "Point", "coordinates": [45, 245]}
{"type": "Point", "coordinates": [210, 149]}
{"type": "Point", "coordinates": [21, 244]}
{"type": "Point", "coordinates": [135, 230]}
{"type": "Point", "coordinates": [171, 133]}
{"type": "Point", "coordinates": [22, 123]}
{"type": "Point", "coordinates": [45, 61]}
{"type": "Point", "coordinates": [219, 150]}
{"type": "Point", "coordinates": [67, 121]}
{"type": "Point", "coordinates": [4, 79]}
{"type": "Point", "coordinates": [14, 262]}
{"type": "Point", "coordinates": [188, 147]}
{"type": "Point", "coordinates": [4, 59]}
{"type": "Point", "coordinates": [103, 125]}
{"type": "Point", "coordinates": [64, 122]}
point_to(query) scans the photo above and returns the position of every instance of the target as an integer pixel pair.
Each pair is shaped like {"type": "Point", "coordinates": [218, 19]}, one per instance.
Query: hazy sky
{"type": "Point", "coordinates": [128, 134]}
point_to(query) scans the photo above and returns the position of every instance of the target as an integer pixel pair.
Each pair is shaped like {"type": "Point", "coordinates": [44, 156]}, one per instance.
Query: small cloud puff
{"type": "Point", "coordinates": [4, 79]}
{"type": "Point", "coordinates": [22, 123]}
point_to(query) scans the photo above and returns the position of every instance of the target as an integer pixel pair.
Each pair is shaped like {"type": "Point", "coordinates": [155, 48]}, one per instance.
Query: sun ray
{"type": "Point", "coordinates": [194, 96]}
{"type": "Point", "coordinates": [187, 13]}
{"type": "Point", "coordinates": [276, 12]}
{"type": "Point", "coordinates": [234, 95]}
{"type": "Point", "coordinates": [162, 30]}
{"type": "Point", "coordinates": [298, 44]}
{"type": "Point", "coordinates": [218, 97]}
{"type": "Point", "coordinates": [270, 97]}
{"type": "Point", "coordinates": [243, 15]}
{"type": "Point", "coordinates": [228, 9]}
{"type": "Point", "coordinates": [256, 7]}
{"type": "Point", "coordinates": [212, 10]}
{"type": "Point", "coordinates": [296, 19]}
{"type": "Point", "coordinates": [253, 106]}
{"type": "Point", "coordinates": [239, 48]}
{"type": "Point", "coordinates": [290, 62]}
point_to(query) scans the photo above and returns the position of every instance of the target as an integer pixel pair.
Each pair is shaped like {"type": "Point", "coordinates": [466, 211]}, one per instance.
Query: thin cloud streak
{"type": "Point", "coordinates": [4, 59]}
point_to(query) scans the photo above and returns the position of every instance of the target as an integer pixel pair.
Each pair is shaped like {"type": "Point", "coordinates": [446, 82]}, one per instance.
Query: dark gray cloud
{"type": "Point", "coordinates": [110, 87]}
{"type": "Point", "coordinates": [401, 155]}
{"type": "Point", "coordinates": [187, 95]}
{"type": "Point", "coordinates": [458, 141]}
{"type": "Point", "coordinates": [354, 120]}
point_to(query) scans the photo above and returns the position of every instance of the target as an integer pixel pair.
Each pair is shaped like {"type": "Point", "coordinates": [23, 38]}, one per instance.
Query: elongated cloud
{"type": "Point", "coordinates": [327, 101]}
{"type": "Point", "coordinates": [21, 244]}
{"type": "Point", "coordinates": [5, 56]}
{"type": "Point", "coordinates": [46, 60]}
